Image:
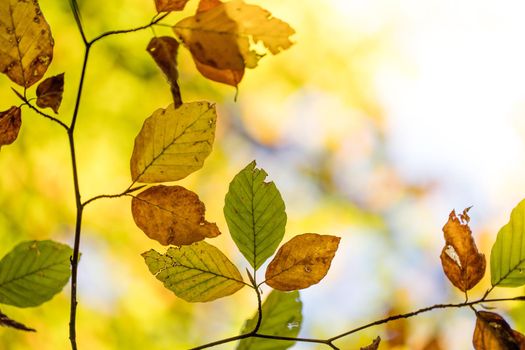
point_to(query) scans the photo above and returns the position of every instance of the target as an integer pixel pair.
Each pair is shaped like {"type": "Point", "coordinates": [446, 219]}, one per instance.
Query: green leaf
{"type": "Point", "coordinates": [33, 272]}
{"type": "Point", "coordinates": [507, 258]}
{"type": "Point", "coordinates": [281, 316]}
{"type": "Point", "coordinates": [254, 211]}
{"type": "Point", "coordinates": [173, 142]}
{"type": "Point", "coordinates": [196, 273]}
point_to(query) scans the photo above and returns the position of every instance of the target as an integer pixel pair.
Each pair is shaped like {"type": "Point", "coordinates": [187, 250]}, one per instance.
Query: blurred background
{"type": "Point", "coordinates": [382, 118]}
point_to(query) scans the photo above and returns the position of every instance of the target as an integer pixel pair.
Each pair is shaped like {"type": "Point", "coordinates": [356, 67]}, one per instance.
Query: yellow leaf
{"type": "Point", "coordinates": [461, 261]}
{"type": "Point", "coordinates": [26, 44]}
{"type": "Point", "coordinates": [492, 332]}
{"type": "Point", "coordinates": [164, 51]}
{"type": "Point", "coordinates": [170, 5]}
{"type": "Point", "coordinates": [302, 261]}
{"type": "Point", "coordinates": [172, 215]}
{"type": "Point", "coordinates": [173, 142]}
{"type": "Point", "coordinates": [10, 122]}
{"type": "Point", "coordinates": [49, 92]}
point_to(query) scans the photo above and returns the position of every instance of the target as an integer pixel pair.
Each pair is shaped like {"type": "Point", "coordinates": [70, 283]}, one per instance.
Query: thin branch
{"type": "Point", "coordinates": [304, 340]}
{"type": "Point", "coordinates": [121, 194]}
{"type": "Point", "coordinates": [45, 115]}
{"type": "Point", "coordinates": [222, 341]}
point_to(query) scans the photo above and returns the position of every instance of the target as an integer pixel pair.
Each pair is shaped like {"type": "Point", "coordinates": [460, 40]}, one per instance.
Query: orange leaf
{"type": "Point", "coordinates": [172, 215]}
{"type": "Point", "coordinates": [170, 5]}
{"type": "Point", "coordinates": [302, 261]}
{"type": "Point", "coordinates": [205, 5]}
{"type": "Point", "coordinates": [49, 92]}
{"type": "Point", "coordinates": [164, 51]}
{"type": "Point", "coordinates": [461, 261]}
{"type": "Point", "coordinates": [492, 332]}
{"type": "Point", "coordinates": [10, 122]}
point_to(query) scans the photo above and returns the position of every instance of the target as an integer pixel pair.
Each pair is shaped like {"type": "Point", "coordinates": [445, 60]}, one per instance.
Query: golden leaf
{"type": "Point", "coordinates": [49, 92]}
{"type": "Point", "coordinates": [26, 46]}
{"type": "Point", "coordinates": [10, 122]}
{"type": "Point", "coordinates": [492, 332]}
{"type": "Point", "coordinates": [461, 261]}
{"type": "Point", "coordinates": [172, 215]}
{"type": "Point", "coordinates": [164, 51]}
{"type": "Point", "coordinates": [302, 261]}
{"type": "Point", "coordinates": [170, 5]}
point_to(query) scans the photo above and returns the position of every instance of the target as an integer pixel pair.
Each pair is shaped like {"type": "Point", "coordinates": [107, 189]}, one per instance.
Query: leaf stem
{"type": "Point", "coordinates": [118, 195]}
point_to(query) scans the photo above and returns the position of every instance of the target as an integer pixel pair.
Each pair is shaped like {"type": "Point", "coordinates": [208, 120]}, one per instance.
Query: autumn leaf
{"type": "Point", "coordinates": [170, 5]}
{"type": "Point", "coordinates": [254, 212]}
{"type": "Point", "coordinates": [492, 332]}
{"type": "Point", "coordinates": [164, 51]}
{"type": "Point", "coordinates": [172, 215]}
{"type": "Point", "coordinates": [374, 345]}
{"type": "Point", "coordinates": [507, 257]}
{"type": "Point", "coordinates": [26, 45]}
{"type": "Point", "coordinates": [196, 273]}
{"type": "Point", "coordinates": [302, 261]}
{"type": "Point", "coordinates": [10, 122]}
{"type": "Point", "coordinates": [6, 321]}
{"type": "Point", "coordinates": [281, 317]}
{"type": "Point", "coordinates": [49, 92]}
{"type": "Point", "coordinates": [461, 261]}
{"type": "Point", "coordinates": [173, 142]}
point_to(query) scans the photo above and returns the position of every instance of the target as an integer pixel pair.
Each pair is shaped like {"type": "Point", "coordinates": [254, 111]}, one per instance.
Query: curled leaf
{"type": "Point", "coordinates": [26, 44]}
{"type": "Point", "coordinates": [170, 5]}
{"type": "Point", "coordinates": [374, 345]}
{"type": "Point", "coordinates": [172, 215]}
{"type": "Point", "coordinates": [460, 258]}
{"type": "Point", "coordinates": [49, 92]}
{"type": "Point", "coordinates": [10, 122]}
{"type": "Point", "coordinates": [492, 332]}
{"type": "Point", "coordinates": [164, 51]}
{"type": "Point", "coordinates": [5, 321]}
{"type": "Point", "coordinates": [302, 261]}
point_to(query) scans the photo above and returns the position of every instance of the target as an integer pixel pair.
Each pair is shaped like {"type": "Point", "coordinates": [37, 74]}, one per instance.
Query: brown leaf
{"type": "Point", "coordinates": [374, 345]}
{"type": "Point", "coordinates": [164, 51]}
{"type": "Point", "coordinates": [26, 45]}
{"type": "Point", "coordinates": [170, 5]}
{"type": "Point", "coordinates": [461, 261]}
{"type": "Point", "coordinates": [492, 332]}
{"type": "Point", "coordinates": [172, 215]}
{"type": "Point", "coordinates": [49, 92]}
{"type": "Point", "coordinates": [302, 261]}
{"type": "Point", "coordinates": [8, 322]}
{"type": "Point", "coordinates": [10, 122]}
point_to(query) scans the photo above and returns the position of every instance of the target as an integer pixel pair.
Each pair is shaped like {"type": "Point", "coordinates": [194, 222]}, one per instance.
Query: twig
{"type": "Point", "coordinates": [45, 115]}
{"type": "Point", "coordinates": [121, 194]}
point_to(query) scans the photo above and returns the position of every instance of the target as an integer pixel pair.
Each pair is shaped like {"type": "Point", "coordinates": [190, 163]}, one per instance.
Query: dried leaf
{"type": "Point", "coordinates": [196, 273]}
{"type": "Point", "coordinates": [374, 345]}
{"type": "Point", "coordinates": [170, 5]}
{"type": "Point", "coordinates": [49, 92]}
{"type": "Point", "coordinates": [173, 142]}
{"type": "Point", "coordinates": [164, 51]}
{"type": "Point", "coordinates": [460, 258]}
{"type": "Point", "coordinates": [5, 321]}
{"type": "Point", "coordinates": [302, 261]}
{"type": "Point", "coordinates": [507, 258]}
{"type": "Point", "coordinates": [492, 332]}
{"type": "Point", "coordinates": [10, 122]}
{"type": "Point", "coordinates": [26, 46]}
{"type": "Point", "coordinates": [172, 215]}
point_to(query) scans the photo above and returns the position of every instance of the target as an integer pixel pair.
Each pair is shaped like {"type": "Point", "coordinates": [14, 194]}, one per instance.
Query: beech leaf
{"type": "Point", "coordinates": [164, 51]}
{"type": "Point", "coordinates": [463, 264]}
{"type": "Point", "coordinates": [170, 5]}
{"type": "Point", "coordinates": [5, 321]}
{"type": "Point", "coordinates": [173, 142]}
{"type": "Point", "coordinates": [302, 261]}
{"type": "Point", "coordinates": [26, 45]}
{"type": "Point", "coordinates": [49, 92]}
{"type": "Point", "coordinates": [33, 272]}
{"type": "Point", "coordinates": [172, 215]}
{"type": "Point", "coordinates": [492, 332]}
{"type": "Point", "coordinates": [196, 273]}
{"type": "Point", "coordinates": [10, 123]}
{"type": "Point", "coordinates": [374, 345]}
{"type": "Point", "coordinates": [507, 257]}
{"type": "Point", "coordinates": [281, 317]}
{"type": "Point", "coordinates": [254, 212]}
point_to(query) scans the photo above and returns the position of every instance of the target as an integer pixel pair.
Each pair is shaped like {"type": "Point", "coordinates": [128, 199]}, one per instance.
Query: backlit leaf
{"type": "Point", "coordinates": [196, 273]}
{"type": "Point", "coordinates": [492, 332]}
{"type": "Point", "coordinates": [302, 261]}
{"type": "Point", "coordinates": [10, 122]}
{"type": "Point", "coordinates": [170, 5]}
{"type": "Point", "coordinates": [507, 258]}
{"type": "Point", "coordinates": [5, 321]}
{"type": "Point", "coordinates": [254, 212]}
{"type": "Point", "coordinates": [33, 272]}
{"type": "Point", "coordinates": [164, 51]}
{"type": "Point", "coordinates": [173, 142]}
{"type": "Point", "coordinates": [49, 92]}
{"type": "Point", "coordinates": [281, 316]}
{"type": "Point", "coordinates": [460, 258]}
{"type": "Point", "coordinates": [172, 215]}
{"type": "Point", "coordinates": [26, 44]}
{"type": "Point", "coordinates": [374, 345]}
